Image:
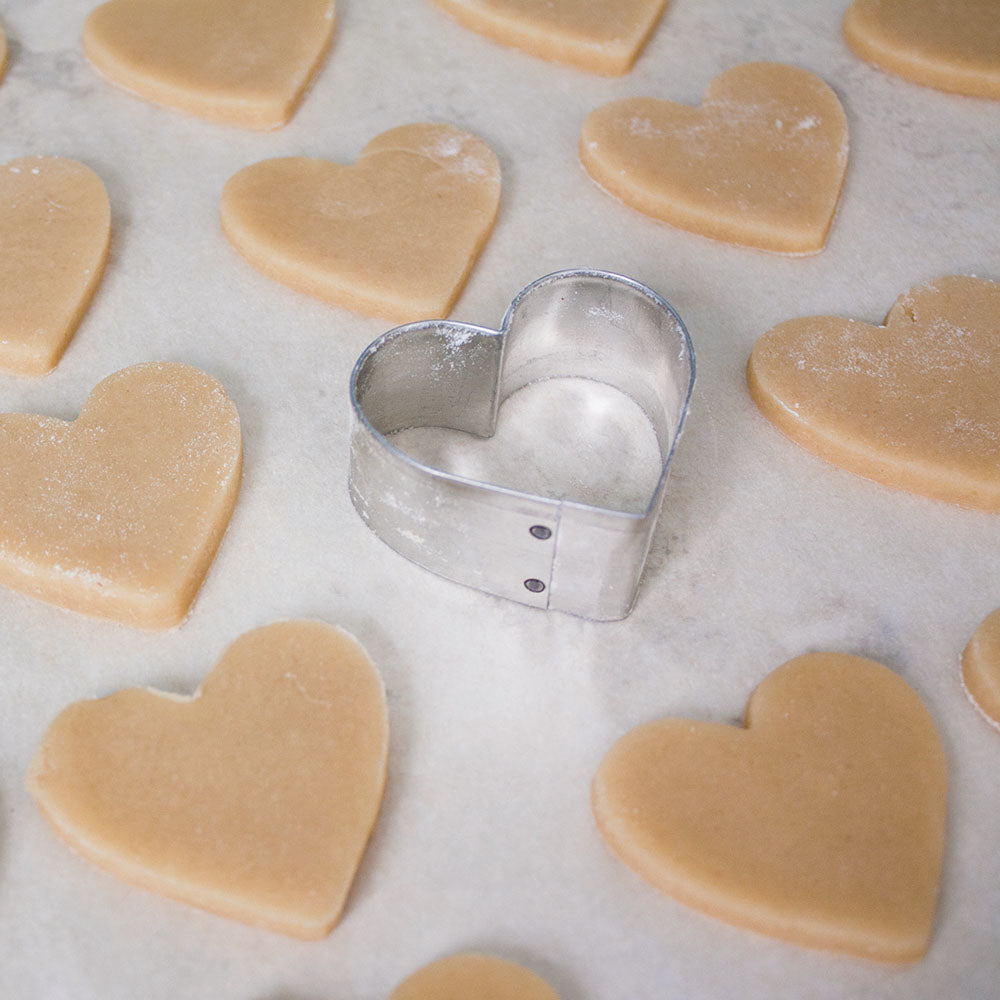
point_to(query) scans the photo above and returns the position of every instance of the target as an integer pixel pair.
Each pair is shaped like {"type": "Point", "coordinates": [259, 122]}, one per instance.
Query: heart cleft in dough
{"type": "Point", "coordinates": [981, 668]}
{"type": "Point", "coordinates": [119, 513]}
{"type": "Point", "coordinates": [912, 404]}
{"type": "Point", "coordinates": [820, 822]}
{"type": "Point", "coordinates": [233, 61]}
{"type": "Point", "coordinates": [55, 222]}
{"type": "Point", "coordinates": [604, 38]}
{"type": "Point", "coordinates": [951, 45]}
{"type": "Point", "coordinates": [761, 163]}
{"type": "Point", "coordinates": [253, 799]}
{"type": "Point", "coordinates": [472, 976]}
{"type": "Point", "coordinates": [395, 235]}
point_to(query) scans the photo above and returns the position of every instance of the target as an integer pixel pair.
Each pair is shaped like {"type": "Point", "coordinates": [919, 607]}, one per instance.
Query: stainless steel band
{"type": "Point", "coordinates": [557, 554]}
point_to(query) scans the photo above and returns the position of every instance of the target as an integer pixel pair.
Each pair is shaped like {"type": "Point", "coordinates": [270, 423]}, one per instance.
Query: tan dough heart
{"type": "Point", "coordinates": [395, 235]}
{"type": "Point", "coordinates": [952, 45]}
{"type": "Point", "coordinates": [471, 976]}
{"type": "Point", "coordinates": [3, 52]}
{"type": "Point", "coordinates": [119, 513]}
{"type": "Point", "coordinates": [760, 163]}
{"type": "Point", "coordinates": [981, 668]}
{"type": "Point", "coordinates": [601, 37]}
{"type": "Point", "coordinates": [55, 227]}
{"type": "Point", "coordinates": [254, 798]}
{"type": "Point", "coordinates": [912, 404]}
{"type": "Point", "coordinates": [820, 822]}
{"type": "Point", "coordinates": [244, 62]}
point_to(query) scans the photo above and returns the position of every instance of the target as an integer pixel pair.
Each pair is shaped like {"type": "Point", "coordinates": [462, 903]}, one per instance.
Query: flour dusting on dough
{"type": "Point", "coordinates": [123, 500]}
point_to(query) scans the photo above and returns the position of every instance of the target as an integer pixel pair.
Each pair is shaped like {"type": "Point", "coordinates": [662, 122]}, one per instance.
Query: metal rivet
{"type": "Point", "coordinates": [535, 586]}
{"type": "Point", "coordinates": [540, 531]}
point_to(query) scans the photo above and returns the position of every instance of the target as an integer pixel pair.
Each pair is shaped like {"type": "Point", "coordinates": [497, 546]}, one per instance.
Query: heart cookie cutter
{"type": "Point", "coordinates": [562, 555]}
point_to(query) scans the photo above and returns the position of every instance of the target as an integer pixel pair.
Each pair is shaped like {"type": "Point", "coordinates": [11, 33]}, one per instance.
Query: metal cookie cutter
{"type": "Point", "coordinates": [548, 553]}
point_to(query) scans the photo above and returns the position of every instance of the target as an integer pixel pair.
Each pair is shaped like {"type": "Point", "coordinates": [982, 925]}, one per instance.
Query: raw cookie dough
{"type": "Point", "coordinates": [952, 45]}
{"type": "Point", "coordinates": [589, 34]}
{"type": "Point", "coordinates": [254, 798]}
{"type": "Point", "coordinates": [244, 62]}
{"type": "Point", "coordinates": [913, 404]}
{"type": "Point", "coordinates": [760, 163]}
{"type": "Point", "coordinates": [473, 977]}
{"type": "Point", "coordinates": [820, 822]}
{"type": "Point", "coordinates": [55, 228]}
{"type": "Point", "coordinates": [119, 513]}
{"type": "Point", "coordinates": [981, 668]}
{"type": "Point", "coordinates": [395, 235]}
{"type": "Point", "coordinates": [3, 52]}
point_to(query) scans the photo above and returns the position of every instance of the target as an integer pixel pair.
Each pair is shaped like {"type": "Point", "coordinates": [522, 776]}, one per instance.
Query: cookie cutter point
{"type": "Point", "coordinates": [562, 555]}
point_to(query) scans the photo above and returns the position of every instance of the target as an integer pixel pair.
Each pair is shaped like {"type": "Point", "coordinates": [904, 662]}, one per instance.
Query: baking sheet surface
{"type": "Point", "coordinates": [500, 714]}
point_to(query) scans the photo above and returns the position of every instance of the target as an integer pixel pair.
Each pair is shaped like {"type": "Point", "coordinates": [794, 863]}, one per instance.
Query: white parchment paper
{"type": "Point", "coordinates": [499, 713]}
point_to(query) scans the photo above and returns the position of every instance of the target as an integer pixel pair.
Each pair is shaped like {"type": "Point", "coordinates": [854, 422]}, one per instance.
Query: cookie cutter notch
{"type": "Point", "coordinates": [562, 555]}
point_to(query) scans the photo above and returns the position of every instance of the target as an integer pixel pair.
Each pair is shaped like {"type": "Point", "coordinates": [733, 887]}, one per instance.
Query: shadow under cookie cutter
{"type": "Point", "coordinates": [563, 555]}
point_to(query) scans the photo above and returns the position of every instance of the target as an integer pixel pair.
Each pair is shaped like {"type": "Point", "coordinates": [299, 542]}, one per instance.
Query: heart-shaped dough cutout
{"type": "Point", "coordinates": [244, 63]}
{"type": "Point", "coordinates": [600, 37]}
{"type": "Point", "coordinates": [912, 404]}
{"type": "Point", "coordinates": [471, 976]}
{"type": "Point", "coordinates": [395, 235]}
{"type": "Point", "coordinates": [952, 45]}
{"type": "Point", "coordinates": [3, 52]}
{"type": "Point", "coordinates": [254, 798]}
{"type": "Point", "coordinates": [119, 513]}
{"type": "Point", "coordinates": [760, 163]}
{"type": "Point", "coordinates": [820, 822]}
{"type": "Point", "coordinates": [981, 668]}
{"type": "Point", "coordinates": [56, 226]}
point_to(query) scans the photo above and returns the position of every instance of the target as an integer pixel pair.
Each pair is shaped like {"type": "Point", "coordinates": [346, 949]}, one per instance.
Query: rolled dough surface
{"type": "Point", "coordinates": [952, 45]}
{"type": "Point", "coordinates": [396, 234]}
{"type": "Point", "coordinates": [760, 163]}
{"type": "Point", "coordinates": [593, 35]}
{"type": "Point", "coordinates": [243, 62]}
{"type": "Point", "coordinates": [55, 230]}
{"type": "Point", "coordinates": [119, 513]}
{"type": "Point", "coordinates": [472, 976]}
{"type": "Point", "coordinates": [254, 798]}
{"type": "Point", "coordinates": [820, 821]}
{"type": "Point", "coordinates": [981, 668]}
{"type": "Point", "coordinates": [912, 404]}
